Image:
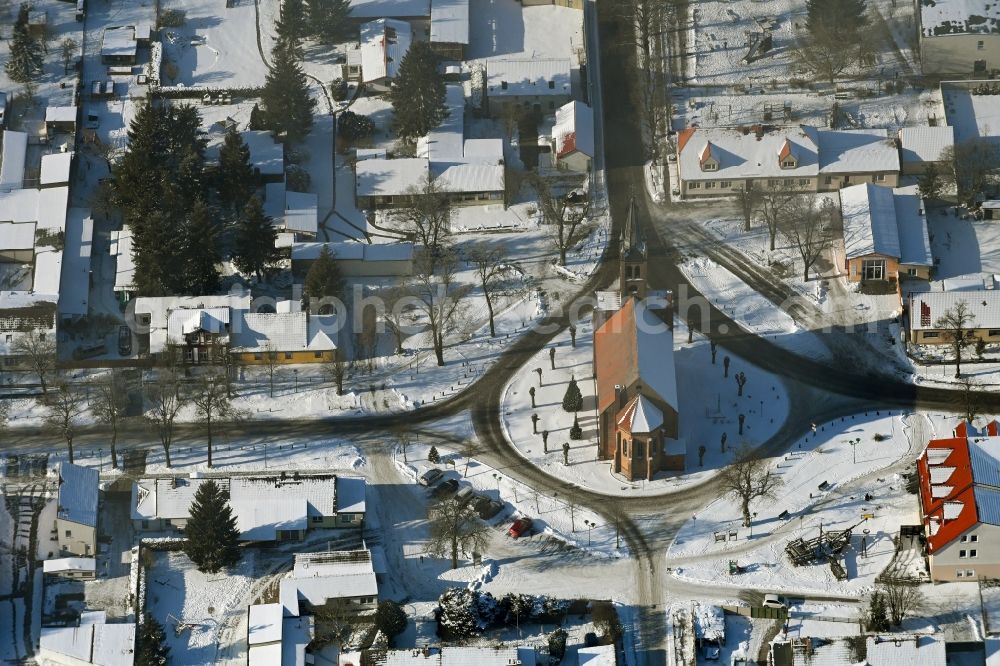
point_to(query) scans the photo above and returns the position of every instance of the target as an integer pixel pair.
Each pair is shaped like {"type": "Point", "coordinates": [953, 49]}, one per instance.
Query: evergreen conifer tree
{"type": "Point", "coordinates": [418, 93]}
{"type": "Point", "coordinates": [573, 399]}
{"type": "Point", "coordinates": [236, 180]}
{"type": "Point", "coordinates": [433, 456]}
{"type": "Point", "coordinates": [292, 27]}
{"type": "Point", "coordinates": [202, 258]}
{"type": "Point", "coordinates": [151, 648]}
{"type": "Point", "coordinates": [288, 107]}
{"type": "Point", "coordinates": [254, 243]}
{"type": "Point", "coordinates": [25, 61]}
{"type": "Point", "coordinates": [212, 537]}
{"type": "Point", "coordinates": [323, 278]}
{"type": "Point", "coordinates": [329, 20]}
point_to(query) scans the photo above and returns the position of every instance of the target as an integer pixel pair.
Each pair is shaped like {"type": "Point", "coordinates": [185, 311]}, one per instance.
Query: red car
{"type": "Point", "coordinates": [520, 527]}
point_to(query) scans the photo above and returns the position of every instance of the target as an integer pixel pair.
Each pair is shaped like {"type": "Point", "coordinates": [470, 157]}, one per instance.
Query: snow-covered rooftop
{"type": "Point", "coordinates": [284, 331]}
{"type": "Point", "coordinates": [574, 129]}
{"type": "Point", "coordinates": [741, 153]}
{"type": "Point", "coordinates": [984, 456]}
{"type": "Point", "coordinates": [914, 238]}
{"type": "Point", "coordinates": [445, 142]}
{"type": "Point", "coordinates": [266, 154]}
{"type": "Point", "coordinates": [450, 21]}
{"type": "Point", "coordinates": [74, 287]}
{"type": "Point", "coordinates": [882, 221]}
{"type": "Point", "coordinates": [319, 577]}
{"type": "Point", "coordinates": [77, 494]}
{"type": "Point", "coordinates": [301, 212]}
{"type": "Point", "coordinates": [488, 656]}
{"type": "Point", "coordinates": [390, 8]}
{"type": "Point", "coordinates": [48, 269]}
{"type": "Point", "coordinates": [164, 325]}
{"type": "Point", "coordinates": [927, 307]}
{"type": "Point", "coordinates": [17, 236]}
{"type": "Point", "coordinates": [52, 204]}
{"type": "Point", "coordinates": [925, 144]}
{"type": "Point", "coordinates": [598, 655]}
{"type": "Point", "coordinates": [384, 44]}
{"type": "Point", "coordinates": [541, 76]}
{"type": "Point", "coordinates": [56, 168]}
{"type": "Point", "coordinates": [264, 625]}
{"type": "Point", "coordinates": [12, 156]}
{"type": "Point", "coordinates": [470, 178]}
{"type": "Point", "coordinates": [354, 251]}
{"type": "Point", "coordinates": [351, 494]}
{"type": "Point", "coordinates": [120, 247]}
{"type": "Point", "coordinates": [96, 643]}
{"type": "Point", "coordinates": [855, 151]}
{"type": "Point", "coordinates": [119, 41]}
{"type": "Point", "coordinates": [898, 650]}
{"type": "Point", "coordinates": [60, 114]}
{"type": "Point", "coordinates": [382, 177]}
{"type": "Point", "coordinates": [641, 416]}
{"type": "Point", "coordinates": [62, 564]}
{"type": "Point", "coordinates": [946, 17]}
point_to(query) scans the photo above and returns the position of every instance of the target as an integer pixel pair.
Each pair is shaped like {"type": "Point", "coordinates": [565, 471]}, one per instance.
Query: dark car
{"type": "Point", "coordinates": [465, 495]}
{"type": "Point", "coordinates": [520, 528]}
{"type": "Point", "coordinates": [124, 340]}
{"type": "Point", "coordinates": [487, 508]}
{"type": "Point", "coordinates": [430, 477]}
{"type": "Point", "coordinates": [445, 488]}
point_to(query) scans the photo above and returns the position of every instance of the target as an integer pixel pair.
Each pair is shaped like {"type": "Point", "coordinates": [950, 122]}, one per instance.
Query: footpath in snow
{"type": "Point", "coordinates": [825, 480]}
{"type": "Point", "coordinates": [709, 408]}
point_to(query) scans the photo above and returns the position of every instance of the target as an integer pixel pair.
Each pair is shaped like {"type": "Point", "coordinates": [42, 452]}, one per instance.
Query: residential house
{"type": "Point", "coordinates": [74, 568]}
{"type": "Point", "coordinates": [120, 247]}
{"type": "Point", "coordinates": [76, 511]}
{"type": "Point", "coordinates": [384, 44]}
{"type": "Point", "coordinates": [76, 272]}
{"type": "Point", "coordinates": [449, 30]}
{"type": "Point", "coordinates": [959, 485]}
{"type": "Point", "coordinates": [919, 147]}
{"type": "Point", "coordinates": [284, 337]}
{"type": "Point", "coordinates": [407, 10]}
{"type": "Point", "coordinates": [635, 378]}
{"type": "Point", "coordinates": [93, 642]}
{"type": "Point", "coordinates": [275, 640]}
{"type": "Point", "coordinates": [320, 579]}
{"type": "Point", "coordinates": [13, 154]}
{"type": "Point", "coordinates": [927, 308]}
{"type": "Point", "coordinates": [267, 508]}
{"type": "Point", "coordinates": [960, 37]}
{"type": "Point", "coordinates": [891, 650]}
{"type": "Point", "coordinates": [541, 85]}
{"type": "Point", "coordinates": [198, 327]}
{"type": "Point", "coordinates": [444, 656]}
{"type": "Point", "coordinates": [572, 4]}
{"type": "Point", "coordinates": [722, 161]}
{"type": "Point", "coordinates": [573, 137]}
{"type": "Point", "coordinates": [57, 170]}
{"type": "Point", "coordinates": [60, 120]}
{"type": "Point", "coordinates": [118, 46]}
{"type": "Point", "coordinates": [292, 212]}
{"type": "Point", "coordinates": [389, 183]}
{"type": "Point", "coordinates": [885, 234]}
{"type": "Point", "coordinates": [357, 259]}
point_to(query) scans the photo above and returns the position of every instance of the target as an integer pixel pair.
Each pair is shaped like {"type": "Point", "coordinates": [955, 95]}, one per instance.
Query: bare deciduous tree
{"type": "Point", "coordinates": [428, 217]}
{"type": "Point", "coordinates": [69, 47]}
{"type": "Point", "coordinates": [64, 407]}
{"type": "Point", "coordinates": [568, 220]}
{"type": "Point", "coordinates": [970, 401]}
{"type": "Point", "coordinates": [491, 266]}
{"type": "Point", "coordinates": [337, 368]}
{"type": "Point", "coordinates": [212, 406]}
{"type": "Point", "coordinates": [973, 164]}
{"type": "Point", "coordinates": [748, 478]}
{"type": "Point", "coordinates": [901, 599]}
{"type": "Point", "coordinates": [164, 398]}
{"type": "Point", "coordinates": [396, 314]}
{"type": "Point", "coordinates": [270, 358]}
{"type": "Point", "coordinates": [956, 324]}
{"type": "Point", "coordinates": [809, 226]}
{"type": "Point", "coordinates": [109, 406]}
{"type": "Point", "coordinates": [438, 295]}
{"type": "Point", "coordinates": [37, 350]}
{"type": "Point", "coordinates": [774, 204]}
{"type": "Point", "coordinates": [749, 200]}
{"type": "Point", "coordinates": [455, 528]}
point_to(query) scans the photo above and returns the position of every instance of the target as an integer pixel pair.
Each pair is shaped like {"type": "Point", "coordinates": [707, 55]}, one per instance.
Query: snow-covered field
{"type": "Point", "coordinates": [709, 407]}
{"type": "Point", "coordinates": [828, 456]}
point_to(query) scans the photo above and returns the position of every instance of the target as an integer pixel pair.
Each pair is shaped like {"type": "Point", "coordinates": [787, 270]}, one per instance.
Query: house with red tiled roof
{"type": "Point", "coordinates": [573, 137]}
{"type": "Point", "coordinates": [959, 484]}
{"type": "Point", "coordinates": [634, 369]}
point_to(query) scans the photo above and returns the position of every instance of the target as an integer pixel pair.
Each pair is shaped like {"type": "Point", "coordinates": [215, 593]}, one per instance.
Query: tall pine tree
{"type": "Point", "coordinates": [254, 243]}
{"type": "Point", "coordinates": [323, 278]}
{"type": "Point", "coordinates": [201, 256]}
{"type": "Point", "coordinates": [288, 107]}
{"type": "Point", "coordinates": [151, 647]}
{"type": "Point", "coordinates": [236, 180]}
{"type": "Point", "coordinates": [292, 27]}
{"type": "Point", "coordinates": [329, 20]}
{"type": "Point", "coordinates": [25, 61]}
{"type": "Point", "coordinates": [212, 537]}
{"type": "Point", "coordinates": [418, 93]}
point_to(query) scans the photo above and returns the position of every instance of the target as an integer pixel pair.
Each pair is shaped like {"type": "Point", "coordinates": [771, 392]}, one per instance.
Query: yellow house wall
{"type": "Point", "coordinates": [250, 358]}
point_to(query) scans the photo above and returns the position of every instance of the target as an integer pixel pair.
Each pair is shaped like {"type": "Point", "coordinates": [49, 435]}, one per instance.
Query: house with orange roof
{"type": "Point", "coordinates": [959, 486]}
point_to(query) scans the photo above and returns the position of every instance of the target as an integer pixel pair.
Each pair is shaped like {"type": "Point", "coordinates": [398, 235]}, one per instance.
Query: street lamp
{"type": "Point", "coordinates": [854, 451]}
{"type": "Point", "coordinates": [590, 525]}
{"type": "Point", "coordinates": [100, 453]}
{"type": "Point", "coordinates": [497, 478]}
{"type": "Point", "coordinates": [295, 373]}
{"type": "Point", "coordinates": [751, 525]}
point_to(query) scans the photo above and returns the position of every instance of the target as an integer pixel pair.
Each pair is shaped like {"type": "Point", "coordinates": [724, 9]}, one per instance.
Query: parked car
{"type": "Point", "coordinates": [124, 340]}
{"type": "Point", "coordinates": [465, 495]}
{"type": "Point", "coordinates": [487, 508]}
{"type": "Point", "coordinates": [430, 477]}
{"type": "Point", "coordinates": [445, 488]}
{"type": "Point", "coordinates": [89, 351]}
{"type": "Point", "coordinates": [774, 601]}
{"type": "Point", "coordinates": [520, 528]}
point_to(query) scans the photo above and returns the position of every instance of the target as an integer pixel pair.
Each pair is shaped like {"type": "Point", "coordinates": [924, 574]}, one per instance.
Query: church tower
{"type": "Point", "coordinates": [632, 262]}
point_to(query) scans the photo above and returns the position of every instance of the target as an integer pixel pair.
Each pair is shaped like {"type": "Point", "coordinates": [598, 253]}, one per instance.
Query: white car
{"type": "Point", "coordinates": [774, 601]}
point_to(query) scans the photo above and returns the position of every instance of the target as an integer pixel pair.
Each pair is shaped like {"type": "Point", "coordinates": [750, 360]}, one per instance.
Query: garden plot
{"type": "Point", "coordinates": [215, 46]}
{"type": "Point", "coordinates": [825, 482]}
{"type": "Point", "coordinates": [709, 407]}
{"type": "Point", "coordinates": [192, 606]}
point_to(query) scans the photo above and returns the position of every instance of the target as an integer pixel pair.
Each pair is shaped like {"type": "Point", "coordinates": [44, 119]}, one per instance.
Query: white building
{"type": "Point", "coordinates": [384, 44]}
{"type": "Point", "coordinates": [57, 169]}
{"type": "Point", "coordinates": [357, 259]}
{"type": "Point", "coordinates": [291, 212]}
{"type": "Point", "coordinates": [120, 247]}
{"type": "Point", "coordinates": [94, 643]}
{"type": "Point", "coordinates": [275, 640]}
{"type": "Point", "coordinates": [573, 137]}
{"type": "Point", "coordinates": [267, 508]}
{"type": "Point", "coordinates": [79, 568]}
{"type": "Point", "coordinates": [542, 84]}
{"type": "Point", "coordinates": [927, 308]}
{"type": "Point", "coordinates": [319, 579]}
{"type": "Point", "coordinates": [13, 153]}
{"type": "Point", "coordinates": [923, 146]}
{"type": "Point", "coordinates": [76, 511]}
{"type": "Point", "coordinates": [885, 233]}
{"type": "Point", "coordinates": [450, 28]}
{"type": "Point", "coordinates": [959, 37]}
{"type": "Point", "coordinates": [448, 656]}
